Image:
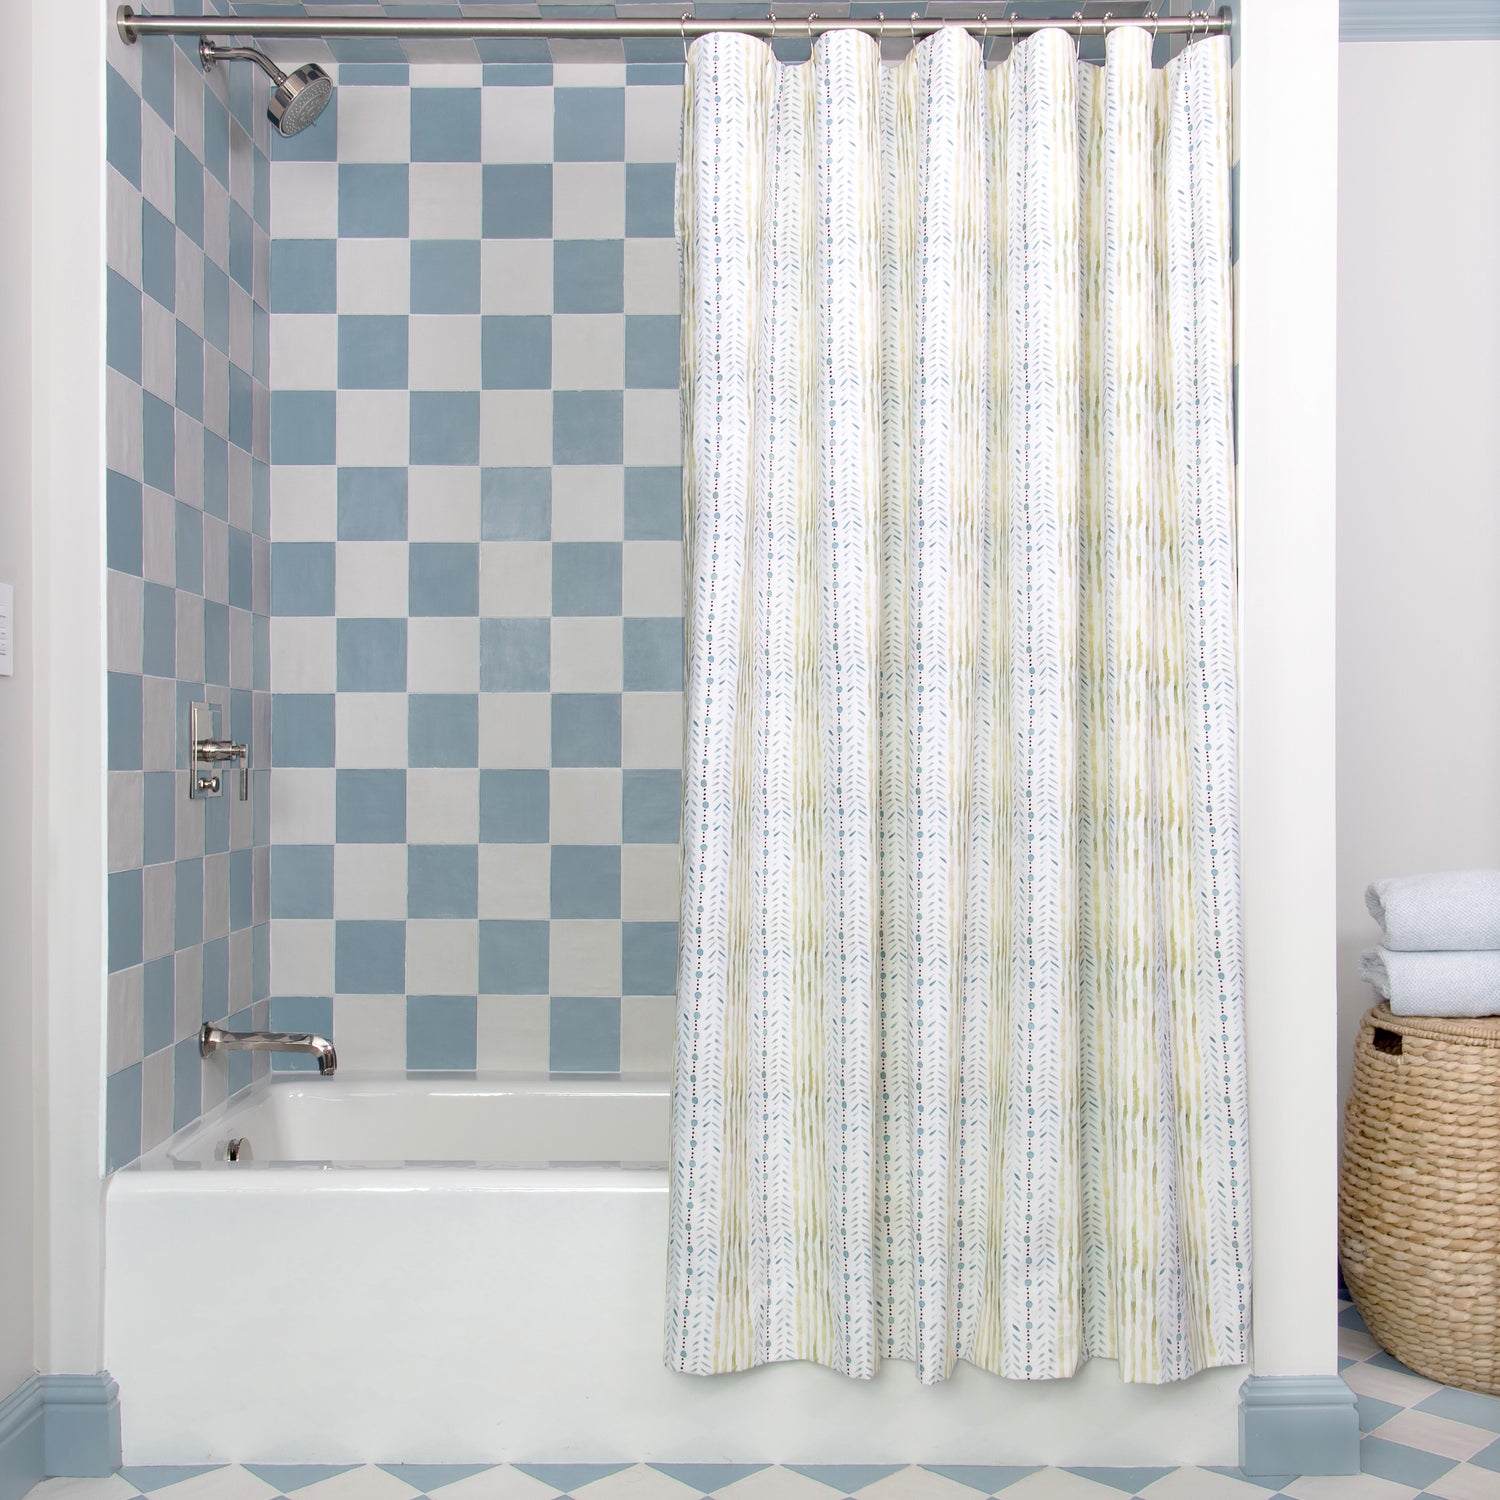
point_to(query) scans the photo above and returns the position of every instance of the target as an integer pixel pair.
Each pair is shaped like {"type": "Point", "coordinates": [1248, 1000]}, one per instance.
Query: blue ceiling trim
{"type": "Point", "coordinates": [1419, 20]}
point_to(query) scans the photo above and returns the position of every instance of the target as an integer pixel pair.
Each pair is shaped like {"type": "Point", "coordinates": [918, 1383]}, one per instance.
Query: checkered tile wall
{"type": "Point", "coordinates": [475, 572]}
{"type": "Point", "coordinates": [187, 500]}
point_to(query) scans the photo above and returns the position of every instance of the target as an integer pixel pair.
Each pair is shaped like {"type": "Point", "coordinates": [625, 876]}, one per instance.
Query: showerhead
{"type": "Point", "coordinates": [298, 98]}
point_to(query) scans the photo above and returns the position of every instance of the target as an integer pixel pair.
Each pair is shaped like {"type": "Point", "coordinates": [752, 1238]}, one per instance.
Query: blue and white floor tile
{"type": "Point", "coordinates": [1422, 1441]}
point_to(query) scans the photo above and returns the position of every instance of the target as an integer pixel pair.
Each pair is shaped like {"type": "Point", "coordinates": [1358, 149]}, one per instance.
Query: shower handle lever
{"type": "Point", "coordinates": [223, 752]}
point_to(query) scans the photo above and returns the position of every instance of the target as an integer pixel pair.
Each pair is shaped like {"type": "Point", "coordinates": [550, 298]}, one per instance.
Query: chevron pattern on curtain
{"type": "Point", "coordinates": [959, 1068]}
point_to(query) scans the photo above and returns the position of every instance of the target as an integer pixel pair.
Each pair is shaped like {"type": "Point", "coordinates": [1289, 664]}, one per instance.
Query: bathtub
{"type": "Point", "coordinates": [441, 1269]}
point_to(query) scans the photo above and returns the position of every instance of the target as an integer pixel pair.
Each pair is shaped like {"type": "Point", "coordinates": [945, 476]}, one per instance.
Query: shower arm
{"type": "Point", "coordinates": [211, 52]}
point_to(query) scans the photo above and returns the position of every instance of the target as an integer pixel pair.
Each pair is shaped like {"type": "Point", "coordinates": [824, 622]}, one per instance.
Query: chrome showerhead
{"type": "Point", "coordinates": [298, 98]}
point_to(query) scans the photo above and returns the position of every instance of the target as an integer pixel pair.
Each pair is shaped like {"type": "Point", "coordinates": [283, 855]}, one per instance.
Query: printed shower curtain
{"type": "Point", "coordinates": [959, 1068]}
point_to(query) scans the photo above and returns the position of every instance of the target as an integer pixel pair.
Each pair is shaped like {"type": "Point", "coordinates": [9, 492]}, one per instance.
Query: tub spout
{"type": "Point", "coordinates": [215, 1039]}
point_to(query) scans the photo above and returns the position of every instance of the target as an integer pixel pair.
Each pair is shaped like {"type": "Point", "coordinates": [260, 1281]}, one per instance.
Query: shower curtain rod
{"type": "Point", "coordinates": [134, 25]}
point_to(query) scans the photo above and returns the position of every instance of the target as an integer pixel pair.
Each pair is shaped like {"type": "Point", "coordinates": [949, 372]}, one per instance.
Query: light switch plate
{"type": "Point", "coordinates": [7, 630]}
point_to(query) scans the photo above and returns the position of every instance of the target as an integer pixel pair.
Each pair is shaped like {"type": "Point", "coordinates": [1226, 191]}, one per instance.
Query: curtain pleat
{"type": "Point", "coordinates": [959, 1068]}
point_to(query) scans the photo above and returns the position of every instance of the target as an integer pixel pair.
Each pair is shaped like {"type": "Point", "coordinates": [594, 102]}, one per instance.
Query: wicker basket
{"type": "Point", "coordinates": [1419, 1200]}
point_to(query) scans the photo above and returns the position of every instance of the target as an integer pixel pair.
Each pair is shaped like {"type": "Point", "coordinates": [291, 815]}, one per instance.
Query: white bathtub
{"type": "Point", "coordinates": [472, 1270]}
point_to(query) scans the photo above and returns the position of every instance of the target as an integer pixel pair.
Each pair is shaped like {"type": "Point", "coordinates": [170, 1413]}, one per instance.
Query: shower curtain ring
{"type": "Point", "coordinates": [682, 27]}
{"type": "Point", "coordinates": [880, 31]}
{"type": "Point", "coordinates": [812, 16]}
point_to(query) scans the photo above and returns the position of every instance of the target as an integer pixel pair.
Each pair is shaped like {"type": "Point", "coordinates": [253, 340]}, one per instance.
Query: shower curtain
{"type": "Point", "coordinates": [959, 1066]}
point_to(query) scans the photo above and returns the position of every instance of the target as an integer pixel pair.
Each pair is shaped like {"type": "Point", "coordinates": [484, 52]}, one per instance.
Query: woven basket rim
{"type": "Point", "coordinates": [1481, 1031]}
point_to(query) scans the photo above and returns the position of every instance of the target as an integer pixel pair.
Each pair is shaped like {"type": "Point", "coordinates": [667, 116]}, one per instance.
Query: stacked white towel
{"type": "Point", "coordinates": [1440, 943]}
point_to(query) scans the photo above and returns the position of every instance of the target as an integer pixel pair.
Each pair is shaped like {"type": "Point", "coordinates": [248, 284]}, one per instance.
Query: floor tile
{"type": "Point", "coordinates": [847, 1479]}
{"type": "Point", "coordinates": [987, 1479]}
{"type": "Point", "coordinates": [1128, 1481]}
{"type": "Point", "coordinates": [1464, 1406]}
{"type": "Point", "coordinates": [1205, 1484]}
{"type": "Point", "coordinates": [1355, 1344]}
{"type": "Point", "coordinates": [289, 1478]}
{"type": "Point", "coordinates": [365, 1482]}
{"type": "Point", "coordinates": [111, 1488]}
{"type": "Point", "coordinates": [1434, 1434]}
{"type": "Point", "coordinates": [1349, 1487]}
{"type": "Point", "coordinates": [500, 1483]}
{"type": "Point", "coordinates": [1372, 1412]}
{"type": "Point", "coordinates": [707, 1478]}
{"type": "Point", "coordinates": [570, 1476]}
{"type": "Point", "coordinates": [1397, 1461]}
{"type": "Point", "coordinates": [1465, 1482]}
{"type": "Point", "coordinates": [229, 1483]}
{"type": "Point", "coordinates": [912, 1483]}
{"type": "Point", "coordinates": [430, 1477]}
{"type": "Point", "coordinates": [635, 1482]}
{"type": "Point", "coordinates": [152, 1477]}
{"type": "Point", "coordinates": [776, 1484]}
{"type": "Point", "coordinates": [1386, 1385]}
{"type": "Point", "coordinates": [1059, 1484]}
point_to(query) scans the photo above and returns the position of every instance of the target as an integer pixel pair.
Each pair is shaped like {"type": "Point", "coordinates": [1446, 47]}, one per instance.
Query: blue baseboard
{"type": "Point", "coordinates": [1298, 1424]}
{"type": "Point", "coordinates": [58, 1425]}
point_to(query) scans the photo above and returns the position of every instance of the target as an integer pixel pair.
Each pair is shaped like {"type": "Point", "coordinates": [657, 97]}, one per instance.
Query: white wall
{"type": "Point", "coordinates": [1418, 475]}
{"type": "Point", "coordinates": [17, 1133]}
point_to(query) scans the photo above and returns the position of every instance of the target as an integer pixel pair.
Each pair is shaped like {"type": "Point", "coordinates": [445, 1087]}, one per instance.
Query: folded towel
{"type": "Point", "coordinates": [1435, 984]}
{"type": "Point", "coordinates": [1436, 913]}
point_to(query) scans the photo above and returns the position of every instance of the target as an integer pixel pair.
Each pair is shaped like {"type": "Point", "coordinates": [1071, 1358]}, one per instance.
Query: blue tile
{"type": "Point", "coordinates": [1469, 1407]}
{"type": "Point", "coordinates": [369, 958]}
{"type": "Point", "coordinates": [442, 880]}
{"type": "Point", "coordinates": [585, 880]}
{"type": "Point", "coordinates": [302, 578]}
{"type": "Point", "coordinates": [122, 1117]}
{"type": "Point", "coordinates": [513, 807]}
{"type": "Point", "coordinates": [513, 958]}
{"type": "Point", "coordinates": [158, 80]}
{"type": "Point", "coordinates": [370, 807]}
{"type": "Point", "coordinates": [307, 1013]}
{"type": "Point", "coordinates": [652, 352]}
{"type": "Point", "coordinates": [443, 578]}
{"type": "Point", "coordinates": [372, 200]}
{"type": "Point", "coordinates": [517, 201]}
{"type": "Point", "coordinates": [445, 427]}
{"type": "Point", "coordinates": [215, 137]}
{"type": "Point", "coordinates": [588, 276]}
{"type": "Point", "coordinates": [216, 978]}
{"type": "Point", "coordinates": [241, 247]}
{"type": "Point", "coordinates": [845, 1478]}
{"type": "Point", "coordinates": [583, 1034]}
{"type": "Point", "coordinates": [125, 919]}
{"type": "Point", "coordinates": [649, 208]}
{"type": "Point", "coordinates": [425, 1478]}
{"type": "Point", "coordinates": [188, 529]}
{"type": "Point", "coordinates": [445, 274]}
{"type": "Point", "coordinates": [122, 326]}
{"type": "Point", "coordinates": [651, 809]}
{"type": "Point", "coordinates": [216, 307]}
{"type": "Point", "coordinates": [372, 352]}
{"type": "Point", "coordinates": [147, 1477]}
{"type": "Point", "coordinates": [122, 523]}
{"type": "Point", "coordinates": [241, 408]}
{"type": "Point", "coordinates": [371, 656]}
{"type": "Point", "coordinates": [159, 817]}
{"type": "Point", "coordinates": [515, 656]}
{"type": "Point", "coordinates": [123, 699]}
{"type": "Point", "coordinates": [588, 124]}
{"type": "Point", "coordinates": [443, 729]}
{"type": "Point", "coordinates": [158, 256]}
{"type": "Point", "coordinates": [1128, 1481]}
{"type": "Point", "coordinates": [302, 729]}
{"type": "Point", "coordinates": [441, 1032]}
{"type": "Point", "coordinates": [241, 889]}
{"type": "Point", "coordinates": [189, 383]}
{"type": "Point", "coordinates": [187, 904]}
{"type": "Point", "coordinates": [653, 505]}
{"type": "Point", "coordinates": [586, 729]}
{"type": "Point", "coordinates": [188, 193]}
{"type": "Point", "coordinates": [304, 276]}
{"type": "Point", "coordinates": [1349, 1318]}
{"type": "Point", "coordinates": [216, 477]}
{"type": "Point", "coordinates": [291, 1477]}
{"type": "Point", "coordinates": [302, 427]}
{"type": "Point", "coordinates": [159, 630]}
{"type": "Point", "coordinates": [187, 1082]}
{"type": "Point", "coordinates": [586, 578]}
{"type": "Point", "coordinates": [158, 443]}
{"type": "Point", "coordinates": [515, 353]}
{"type": "Point", "coordinates": [515, 505]}
{"type": "Point", "coordinates": [372, 505]}
{"type": "Point", "coordinates": [648, 958]}
{"type": "Point", "coordinates": [570, 1476]}
{"type": "Point", "coordinates": [241, 569]}
{"type": "Point", "coordinates": [705, 1478]}
{"type": "Point", "coordinates": [653, 655]}
{"type": "Point", "coordinates": [216, 818]}
{"type": "Point", "coordinates": [302, 880]}
{"type": "Point", "coordinates": [1489, 1458]}
{"type": "Point", "coordinates": [588, 427]}
{"type": "Point", "coordinates": [122, 126]}
{"type": "Point", "coordinates": [445, 124]}
{"type": "Point", "coordinates": [1403, 1465]}
{"type": "Point", "coordinates": [157, 1004]}
{"type": "Point", "coordinates": [1372, 1412]}
{"type": "Point", "coordinates": [318, 142]}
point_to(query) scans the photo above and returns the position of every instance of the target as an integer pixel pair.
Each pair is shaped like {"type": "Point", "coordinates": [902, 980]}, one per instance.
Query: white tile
{"type": "Point", "coordinates": [112, 1487]}
{"type": "Point", "coordinates": [1203, 1484]}
{"type": "Point", "coordinates": [1388, 1385]}
{"type": "Point", "coordinates": [653, 585]}
{"type": "Point", "coordinates": [187, 107]}
{"type": "Point", "coordinates": [646, 1038]}
{"type": "Point", "coordinates": [515, 579]}
{"type": "Point", "coordinates": [442, 655]}
{"type": "Point", "coordinates": [588, 351]}
{"type": "Point", "coordinates": [584, 805]}
{"type": "Point", "coordinates": [513, 1037]}
{"type": "Point", "coordinates": [588, 503]}
{"type": "Point", "coordinates": [1348, 1487]}
{"type": "Point", "coordinates": [158, 350]}
{"type": "Point", "coordinates": [304, 502]}
{"type": "Point", "coordinates": [372, 428]}
{"type": "Point", "coordinates": [1466, 1482]}
{"type": "Point", "coordinates": [443, 352]}
{"type": "Point", "coordinates": [653, 122]}
{"type": "Point", "coordinates": [215, 221]}
{"type": "Point", "coordinates": [447, 199]}
{"type": "Point", "coordinates": [156, 1098]}
{"type": "Point", "coordinates": [588, 200]}
{"type": "Point", "coordinates": [370, 730]}
{"type": "Point", "coordinates": [122, 219]}
{"type": "Point", "coordinates": [442, 502]}
{"type": "Point", "coordinates": [638, 1482]}
{"type": "Point", "coordinates": [651, 276]}
{"type": "Point", "coordinates": [374, 124]}
{"type": "Point", "coordinates": [912, 1483]}
{"type": "Point", "coordinates": [445, 75]}
{"type": "Point", "coordinates": [515, 276]}
{"type": "Point", "coordinates": [125, 1000]}
{"type": "Point", "coordinates": [1435, 1434]}
{"type": "Point", "coordinates": [305, 351]}
{"type": "Point", "coordinates": [442, 805]}
{"type": "Point", "coordinates": [650, 882]}
{"type": "Point", "coordinates": [515, 881]}
{"type": "Point", "coordinates": [158, 164]}
{"type": "Point", "coordinates": [651, 731]}
{"type": "Point", "coordinates": [370, 1032]}
{"type": "Point", "coordinates": [442, 957]}
{"type": "Point", "coordinates": [303, 655]}
{"type": "Point", "coordinates": [370, 579]}
{"type": "Point", "coordinates": [301, 957]}
{"type": "Point", "coordinates": [365, 1482]}
{"type": "Point", "coordinates": [515, 428]}
{"type": "Point", "coordinates": [369, 882]}
{"type": "Point", "coordinates": [587, 654]}
{"type": "Point", "coordinates": [503, 1483]}
{"type": "Point", "coordinates": [189, 284]}
{"type": "Point", "coordinates": [515, 125]}
{"type": "Point", "coordinates": [515, 730]}
{"type": "Point", "coordinates": [123, 632]}
{"type": "Point", "coordinates": [374, 276]}
{"type": "Point", "coordinates": [585, 957]}
{"type": "Point", "coordinates": [589, 74]}
{"type": "Point", "coordinates": [653, 428]}
{"type": "Point", "coordinates": [122, 428]}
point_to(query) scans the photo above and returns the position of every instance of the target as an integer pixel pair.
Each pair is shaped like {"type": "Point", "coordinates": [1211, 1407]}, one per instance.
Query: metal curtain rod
{"type": "Point", "coordinates": [133, 26]}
